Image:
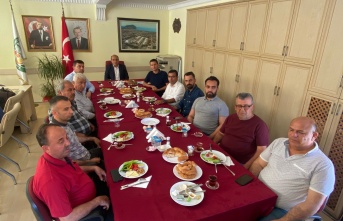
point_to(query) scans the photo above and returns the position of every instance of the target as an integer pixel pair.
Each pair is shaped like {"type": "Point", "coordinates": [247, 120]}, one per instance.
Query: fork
{"type": "Point", "coordinates": [222, 162]}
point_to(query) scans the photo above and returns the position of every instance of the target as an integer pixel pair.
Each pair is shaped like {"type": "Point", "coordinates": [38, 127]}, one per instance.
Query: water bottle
{"type": "Point", "coordinates": [184, 132]}
{"type": "Point", "coordinates": [167, 121]}
{"type": "Point", "coordinates": [138, 97]}
{"type": "Point", "coordinates": [168, 142]}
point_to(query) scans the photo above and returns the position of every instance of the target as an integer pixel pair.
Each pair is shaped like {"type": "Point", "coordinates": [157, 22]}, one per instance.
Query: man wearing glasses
{"type": "Point", "coordinates": [243, 135]}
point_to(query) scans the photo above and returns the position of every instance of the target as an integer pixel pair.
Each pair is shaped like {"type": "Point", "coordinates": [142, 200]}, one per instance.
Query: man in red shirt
{"type": "Point", "coordinates": [243, 135]}
{"type": "Point", "coordinates": [62, 185]}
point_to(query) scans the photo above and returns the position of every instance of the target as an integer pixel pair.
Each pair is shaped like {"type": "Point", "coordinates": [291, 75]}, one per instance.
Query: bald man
{"type": "Point", "coordinates": [116, 71]}
{"type": "Point", "coordinates": [297, 171]}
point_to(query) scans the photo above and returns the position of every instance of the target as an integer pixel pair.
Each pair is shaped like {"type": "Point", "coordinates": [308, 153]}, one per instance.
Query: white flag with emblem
{"type": "Point", "coordinates": [19, 54]}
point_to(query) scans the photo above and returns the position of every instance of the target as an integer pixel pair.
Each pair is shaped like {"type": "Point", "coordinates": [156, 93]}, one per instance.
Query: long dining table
{"type": "Point", "coordinates": [229, 202]}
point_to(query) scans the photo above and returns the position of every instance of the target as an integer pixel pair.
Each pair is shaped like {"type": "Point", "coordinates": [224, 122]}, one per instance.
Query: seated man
{"type": "Point", "coordinates": [174, 91]}
{"type": "Point", "coordinates": [243, 135]}
{"type": "Point", "coordinates": [116, 71]}
{"type": "Point", "coordinates": [62, 185]}
{"type": "Point", "coordinates": [62, 112]}
{"type": "Point", "coordinates": [77, 122]}
{"type": "Point", "coordinates": [297, 171]}
{"type": "Point", "coordinates": [156, 79]}
{"type": "Point", "coordinates": [192, 93]}
{"type": "Point", "coordinates": [209, 113]}
{"type": "Point", "coordinates": [79, 67]}
{"type": "Point", "coordinates": [83, 103]}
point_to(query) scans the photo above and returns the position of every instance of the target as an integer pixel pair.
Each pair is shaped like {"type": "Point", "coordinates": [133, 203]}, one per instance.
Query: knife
{"type": "Point", "coordinates": [210, 147]}
{"type": "Point", "coordinates": [132, 184]}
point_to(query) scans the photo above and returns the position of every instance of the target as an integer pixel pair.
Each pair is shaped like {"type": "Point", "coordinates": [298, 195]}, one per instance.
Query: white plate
{"type": "Point", "coordinates": [129, 137]}
{"type": "Point", "coordinates": [180, 124]}
{"type": "Point", "coordinates": [193, 202]}
{"type": "Point", "coordinates": [117, 114]}
{"type": "Point", "coordinates": [163, 111]}
{"type": "Point", "coordinates": [150, 121]}
{"type": "Point", "coordinates": [162, 148]}
{"type": "Point", "coordinates": [149, 99]}
{"type": "Point", "coordinates": [199, 174]}
{"type": "Point", "coordinates": [218, 154]}
{"type": "Point", "coordinates": [123, 174]}
{"type": "Point", "coordinates": [105, 89]}
{"type": "Point", "coordinates": [139, 88]}
{"type": "Point", "coordinates": [171, 159]}
{"type": "Point", "coordinates": [112, 101]}
{"type": "Point", "coordinates": [129, 96]}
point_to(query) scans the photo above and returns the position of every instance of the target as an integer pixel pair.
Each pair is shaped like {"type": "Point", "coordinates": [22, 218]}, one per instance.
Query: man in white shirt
{"type": "Point", "coordinates": [174, 91]}
{"type": "Point", "coordinates": [83, 103]}
{"type": "Point", "coordinates": [79, 67]}
{"type": "Point", "coordinates": [116, 71]}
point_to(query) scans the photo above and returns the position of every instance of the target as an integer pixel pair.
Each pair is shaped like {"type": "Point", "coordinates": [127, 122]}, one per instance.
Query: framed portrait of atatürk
{"type": "Point", "coordinates": [39, 33]}
{"type": "Point", "coordinates": [138, 35]}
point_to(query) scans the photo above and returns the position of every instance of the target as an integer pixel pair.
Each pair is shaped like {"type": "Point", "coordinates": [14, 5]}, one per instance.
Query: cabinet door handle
{"type": "Point", "coordinates": [341, 84]}
{"type": "Point", "coordinates": [194, 41]}
{"type": "Point", "coordinates": [283, 50]}
{"type": "Point", "coordinates": [338, 109]}
{"type": "Point", "coordinates": [333, 108]}
{"type": "Point", "coordinates": [275, 88]}
{"type": "Point", "coordinates": [286, 52]}
{"type": "Point", "coordinates": [237, 78]}
{"type": "Point", "coordinates": [211, 70]}
{"type": "Point", "coordinates": [240, 47]}
{"type": "Point", "coordinates": [192, 64]}
{"type": "Point", "coordinates": [214, 43]}
{"type": "Point", "coordinates": [278, 91]}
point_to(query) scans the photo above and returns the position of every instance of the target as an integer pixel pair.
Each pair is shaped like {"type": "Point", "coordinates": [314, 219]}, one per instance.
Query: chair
{"type": "Point", "coordinates": [42, 212]}
{"type": "Point", "coordinates": [109, 62]}
{"type": "Point", "coordinates": [8, 106]}
{"type": "Point", "coordinates": [6, 131]}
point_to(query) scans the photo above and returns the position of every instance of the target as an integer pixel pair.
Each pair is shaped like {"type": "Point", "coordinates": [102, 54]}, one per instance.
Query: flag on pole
{"type": "Point", "coordinates": [67, 51]}
{"type": "Point", "coordinates": [19, 54]}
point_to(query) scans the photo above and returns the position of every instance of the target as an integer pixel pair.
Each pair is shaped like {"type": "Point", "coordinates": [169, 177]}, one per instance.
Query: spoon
{"type": "Point", "coordinates": [139, 181]}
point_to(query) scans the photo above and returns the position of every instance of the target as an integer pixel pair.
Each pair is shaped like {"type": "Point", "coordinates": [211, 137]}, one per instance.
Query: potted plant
{"type": "Point", "coordinates": [51, 70]}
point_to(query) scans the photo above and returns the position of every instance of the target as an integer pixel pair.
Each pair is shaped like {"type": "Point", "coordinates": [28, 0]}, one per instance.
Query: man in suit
{"type": "Point", "coordinates": [79, 42]}
{"type": "Point", "coordinates": [116, 71]}
{"type": "Point", "coordinates": [39, 37]}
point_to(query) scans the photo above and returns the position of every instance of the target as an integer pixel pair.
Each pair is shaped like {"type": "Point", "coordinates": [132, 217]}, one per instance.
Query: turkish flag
{"type": "Point", "coordinates": [67, 51]}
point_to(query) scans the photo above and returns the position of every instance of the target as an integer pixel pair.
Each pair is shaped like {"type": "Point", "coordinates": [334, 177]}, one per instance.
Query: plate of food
{"type": "Point", "coordinates": [163, 111]}
{"type": "Point", "coordinates": [141, 113]}
{"type": "Point", "coordinates": [140, 89]}
{"type": "Point", "coordinates": [104, 89]}
{"type": "Point", "coordinates": [174, 155]}
{"type": "Point", "coordinates": [125, 90]}
{"type": "Point", "coordinates": [122, 136]}
{"type": "Point", "coordinates": [178, 127]}
{"type": "Point", "coordinates": [133, 169]}
{"type": "Point", "coordinates": [150, 121]}
{"type": "Point", "coordinates": [129, 96]}
{"type": "Point", "coordinates": [183, 193]}
{"type": "Point", "coordinates": [111, 100]}
{"type": "Point", "coordinates": [149, 99]}
{"type": "Point", "coordinates": [187, 171]}
{"type": "Point", "coordinates": [212, 157]}
{"type": "Point", "coordinates": [112, 114]}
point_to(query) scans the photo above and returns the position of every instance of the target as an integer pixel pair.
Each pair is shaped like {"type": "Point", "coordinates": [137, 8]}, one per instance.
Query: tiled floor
{"type": "Point", "coordinates": [13, 203]}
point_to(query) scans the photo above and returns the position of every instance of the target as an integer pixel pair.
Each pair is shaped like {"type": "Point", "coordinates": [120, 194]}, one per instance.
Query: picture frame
{"type": "Point", "coordinates": [39, 33]}
{"type": "Point", "coordinates": [138, 35]}
{"type": "Point", "coordinates": [79, 34]}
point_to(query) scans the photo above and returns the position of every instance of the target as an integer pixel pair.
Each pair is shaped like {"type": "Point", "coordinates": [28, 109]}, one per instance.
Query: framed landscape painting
{"type": "Point", "coordinates": [138, 35]}
{"type": "Point", "coordinates": [39, 34]}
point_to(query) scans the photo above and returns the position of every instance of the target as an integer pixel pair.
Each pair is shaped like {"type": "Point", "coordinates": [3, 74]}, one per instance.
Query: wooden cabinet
{"type": "Point", "coordinates": [213, 65]}
{"type": "Point", "coordinates": [194, 62]}
{"type": "Point", "coordinates": [217, 27]}
{"type": "Point", "coordinates": [327, 112]}
{"type": "Point", "coordinates": [247, 25]}
{"type": "Point", "coordinates": [328, 70]}
{"type": "Point", "coordinates": [293, 29]}
{"type": "Point", "coordinates": [280, 92]}
{"type": "Point", "coordinates": [195, 27]}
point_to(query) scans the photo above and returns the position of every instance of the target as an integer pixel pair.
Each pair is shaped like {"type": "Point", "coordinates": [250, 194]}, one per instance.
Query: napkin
{"type": "Point", "coordinates": [113, 120]}
{"type": "Point", "coordinates": [155, 132]}
{"type": "Point", "coordinates": [144, 185]}
{"type": "Point", "coordinates": [104, 94]}
{"type": "Point", "coordinates": [120, 84]}
{"type": "Point", "coordinates": [228, 161]}
{"type": "Point", "coordinates": [108, 138]}
{"type": "Point", "coordinates": [131, 104]}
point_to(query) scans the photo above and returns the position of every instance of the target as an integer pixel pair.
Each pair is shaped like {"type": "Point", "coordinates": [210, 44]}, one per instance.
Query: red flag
{"type": "Point", "coordinates": [67, 51]}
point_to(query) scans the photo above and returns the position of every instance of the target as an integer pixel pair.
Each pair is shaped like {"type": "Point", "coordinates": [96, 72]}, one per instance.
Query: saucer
{"type": "Point", "coordinates": [103, 108]}
{"type": "Point", "coordinates": [212, 187]}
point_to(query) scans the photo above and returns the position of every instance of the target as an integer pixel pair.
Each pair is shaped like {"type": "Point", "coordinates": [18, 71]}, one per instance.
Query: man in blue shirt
{"type": "Point", "coordinates": [156, 79]}
{"type": "Point", "coordinates": [192, 93]}
{"type": "Point", "coordinates": [79, 67]}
